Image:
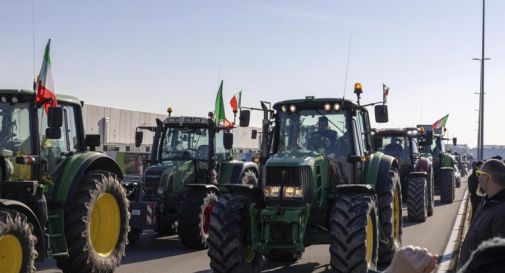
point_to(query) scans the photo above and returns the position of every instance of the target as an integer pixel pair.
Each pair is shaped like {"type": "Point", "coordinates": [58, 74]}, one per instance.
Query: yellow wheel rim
{"type": "Point", "coordinates": [369, 240]}
{"type": "Point", "coordinates": [396, 215]}
{"type": "Point", "coordinates": [105, 224]}
{"type": "Point", "coordinates": [11, 254]}
{"type": "Point", "coordinates": [249, 254]}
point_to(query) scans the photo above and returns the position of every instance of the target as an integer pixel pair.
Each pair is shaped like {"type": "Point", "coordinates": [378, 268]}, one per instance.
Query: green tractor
{"type": "Point", "coordinates": [416, 172]}
{"type": "Point", "coordinates": [322, 184]}
{"type": "Point", "coordinates": [432, 145]}
{"type": "Point", "coordinates": [56, 198]}
{"type": "Point", "coordinates": [190, 157]}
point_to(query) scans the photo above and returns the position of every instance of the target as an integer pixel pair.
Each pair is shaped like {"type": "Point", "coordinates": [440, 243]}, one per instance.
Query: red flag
{"type": "Point", "coordinates": [45, 88]}
{"type": "Point", "coordinates": [235, 101]}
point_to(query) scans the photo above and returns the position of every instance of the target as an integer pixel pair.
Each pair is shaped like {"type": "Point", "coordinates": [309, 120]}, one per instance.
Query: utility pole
{"type": "Point", "coordinates": [480, 134]}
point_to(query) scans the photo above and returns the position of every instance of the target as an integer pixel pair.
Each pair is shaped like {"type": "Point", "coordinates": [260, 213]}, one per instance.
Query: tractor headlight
{"type": "Point", "coordinates": [293, 192]}
{"type": "Point", "coordinates": [272, 191]}
{"type": "Point", "coordinates": [160, 190]}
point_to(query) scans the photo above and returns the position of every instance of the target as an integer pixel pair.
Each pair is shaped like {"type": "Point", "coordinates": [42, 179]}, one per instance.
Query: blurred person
{"type": "Point", "coordinates": [488, 257]}
{"type": "Point", "coordinates": [473, 182]}
{"type": "Point", "coordinates": [488, 221]}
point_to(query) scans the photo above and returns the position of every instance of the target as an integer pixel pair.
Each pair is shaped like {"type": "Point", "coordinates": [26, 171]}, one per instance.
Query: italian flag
{"type": "Point", "coordinates": [219, 113]}
{"type": "Point", "coordinates": [45, 87]}
{"type": "Point", "coordinates": [235, 101]}
{"type": "Point", "coordinates": [440, 123]}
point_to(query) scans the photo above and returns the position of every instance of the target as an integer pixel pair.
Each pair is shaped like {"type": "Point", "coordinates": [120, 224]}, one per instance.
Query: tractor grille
{"type": "Point", "coordinates": [290, 176]}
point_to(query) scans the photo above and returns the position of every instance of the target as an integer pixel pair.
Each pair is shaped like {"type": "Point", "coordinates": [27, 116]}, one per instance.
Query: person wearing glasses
{"type": "Point", "coordinates": [489, 219]}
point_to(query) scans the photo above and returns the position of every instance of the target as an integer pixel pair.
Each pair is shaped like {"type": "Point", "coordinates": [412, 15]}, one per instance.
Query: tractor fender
{"type": "Point", "coordinates": [202, 188]}
{"type": "Point", "coordinates": [355, 188]}
{"type": "Point", "coordinates": [232, 171]}
{"type": "Point", "coordinates": [38, 230]}
{"type": "Point", "coordinates": [424, 165]}
{"type": "Point", "coordinates": [386, 164]}
{"type": "Point", "coordinates": [76, 166]}
{"type": "Point", "coordinates": [251, 191]}
{"type": "Point", "coordinates": [418, 174]}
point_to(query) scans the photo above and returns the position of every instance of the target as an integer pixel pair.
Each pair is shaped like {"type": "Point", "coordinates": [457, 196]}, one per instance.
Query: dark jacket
{"type": "Point", "coordinates": [488, 222]}
{"type": "Point", "coordinates": [473, 183]}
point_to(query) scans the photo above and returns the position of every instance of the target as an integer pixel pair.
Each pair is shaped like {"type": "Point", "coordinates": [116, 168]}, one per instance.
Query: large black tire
{"type": "Point", "coordinates": [16, 230]}
{"type": "Point", "coordinates": [431, 193]}
{"type": "Point", "coordinates": [229, 236]}
{"type": "Point", "coordinates": [194, 217]}
{"type": "Point", "coordinates": [418, 200]}
{"type": "Point", "coordinates": [84, 215]}
{"type": "Point", "coordinates": [390, 236]}
{"type": "Point", "coordinates": [353, 226]}
{"type": "Point", "coordinates": [458, 182]}
{"type": "Point", "coordinates": [447, 186]}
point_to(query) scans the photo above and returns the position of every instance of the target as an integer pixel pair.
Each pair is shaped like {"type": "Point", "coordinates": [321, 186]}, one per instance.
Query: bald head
{"type": "Point", "coordinates": [495, 169]}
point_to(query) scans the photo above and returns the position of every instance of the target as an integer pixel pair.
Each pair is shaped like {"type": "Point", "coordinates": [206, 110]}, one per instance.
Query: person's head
{"type": "Point", "coordinates": [322, 123]}
{"type": "Point", "coordinates": [211, 115]}
{"type": "Point", "coordinates": [396, 140]}
{"type": "Point", "coordinates": [491, 176]}
{"type": "Point", "coordinates": [488, 257]}
{"type": "Point", "coordinates": [497, 157]}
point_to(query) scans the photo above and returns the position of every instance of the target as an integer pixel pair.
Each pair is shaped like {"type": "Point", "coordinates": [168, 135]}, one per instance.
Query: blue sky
{"type": "Point", "coordinates": [147, 55]}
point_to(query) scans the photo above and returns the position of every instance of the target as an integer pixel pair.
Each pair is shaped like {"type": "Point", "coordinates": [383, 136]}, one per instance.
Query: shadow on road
{"type": "Point", "coordinates": [151, 247]}
{"type": "Point", "coordinates": [279, 267]}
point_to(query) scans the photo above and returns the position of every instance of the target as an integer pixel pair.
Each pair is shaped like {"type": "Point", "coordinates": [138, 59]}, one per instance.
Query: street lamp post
{"type": "Point", "coordinates": [480, 134]}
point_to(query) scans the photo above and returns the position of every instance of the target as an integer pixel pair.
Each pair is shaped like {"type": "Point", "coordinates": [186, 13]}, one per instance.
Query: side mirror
{"type": "Point", "coordinates": [55, 117]}
{"type": "Point", "coordinates": [139, 135]}
{"type": "Point", "coordinates": [381, 113]}
{"type": "Point", "coordinates": [92, 141]}
{"type": "Point", "coordinates": [53, 133]}
{"type": "Point", "coordinates": [228, 140]}
{"type": "Point", "coordinates": [254, 134]}
{"type": "Point", "coordinates": [245, 116]}
{"type": "Point", "coordinates": [454, 141]}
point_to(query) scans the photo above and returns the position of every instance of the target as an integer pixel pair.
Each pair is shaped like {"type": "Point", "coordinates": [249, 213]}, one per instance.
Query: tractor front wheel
{"type": "Point", "coordinates": [194, 218]}
{"type": "Point", "coordinates": [17, 243]}
{"type": "Point", "coordinates": [230, 250]}
{"type": "Point", "coordinates": [353, 233]}
{"type": "Point", "coordinates": [96, 225]}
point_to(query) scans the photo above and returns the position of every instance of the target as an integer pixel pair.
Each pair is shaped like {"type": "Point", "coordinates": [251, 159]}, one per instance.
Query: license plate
{"type": "Point", "coordinates": [135, 212]}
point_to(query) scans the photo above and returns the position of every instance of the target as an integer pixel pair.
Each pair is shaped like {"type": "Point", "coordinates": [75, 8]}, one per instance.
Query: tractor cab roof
{"type": "Point", "coordinates": [193, 122]}
{"type": "Point", "coordinates": [407, 132]}
{"type": "Point", "coordinates": [310, 103]}
{"type": "Point", "coordinates": [30, 95]}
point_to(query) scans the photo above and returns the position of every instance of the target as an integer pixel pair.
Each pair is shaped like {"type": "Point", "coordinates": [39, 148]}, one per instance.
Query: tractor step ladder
{"type": "Point", "coordinates": [57, 242]}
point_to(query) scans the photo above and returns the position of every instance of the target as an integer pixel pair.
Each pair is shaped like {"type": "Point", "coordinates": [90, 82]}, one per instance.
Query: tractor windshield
{"type": "Point", "coordinates": [396, 146]}
{"type": "Point", "coordinates": [15, 128]}
{"type": "Point", "coordinates": [185, 143]}
{"type": "Point", "coordinates": [315, 131]}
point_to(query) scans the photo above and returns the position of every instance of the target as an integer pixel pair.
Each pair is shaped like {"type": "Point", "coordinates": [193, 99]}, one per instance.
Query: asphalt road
{"type": "Point", "coordinates": [154, 254]}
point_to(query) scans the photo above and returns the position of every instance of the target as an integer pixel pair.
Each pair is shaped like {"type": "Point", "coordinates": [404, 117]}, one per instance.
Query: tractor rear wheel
{"type": "Point", "coordinates": [447, 187]}
{"type": "Point", "coordinates": [194, 218]}
{"type": "Point", "coordinates": [390, 218]}
{"type": "Point", "coordinates": [431, 193]}
{"type": "Point", "coordinates": [229, 248]}
{"type": "Point", "coordinates": [96, 225]}
{"type": "Point", "coordinates": [353, 233]}
{"type": "Point", "coordinates": [17, 243]}
{"type": "Point", "coordinates": [417, 201]}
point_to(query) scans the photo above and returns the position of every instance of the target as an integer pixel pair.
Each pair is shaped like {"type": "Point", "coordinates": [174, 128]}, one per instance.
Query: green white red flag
{"type": "Point", "coordinates": [44, 84]}
{"type": "Point", "coordinates": [440, 123]}
{"type": "Point", "coordinates": [219, 113]}
{"type": "Point", "coordinates": [235, 101]}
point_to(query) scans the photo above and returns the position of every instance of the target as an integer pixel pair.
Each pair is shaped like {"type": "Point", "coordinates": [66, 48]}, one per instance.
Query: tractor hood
{"type": "Point", "coordinates": [300, 157]}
